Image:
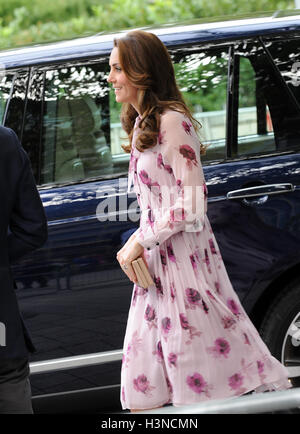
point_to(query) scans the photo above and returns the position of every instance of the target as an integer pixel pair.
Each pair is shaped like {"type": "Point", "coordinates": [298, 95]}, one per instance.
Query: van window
{"type": "Point", "coordinates": [6, 81]}
{"type": "Point", "coordinates": [202, 79]}
{"type": "Point", "coordinates": [77, 143]}
{"type": "Point", "coordinates": [255, 130]}
{"type": "Point", "coordinates": [31, 135]}
{"type": "Point", "coordinates": [118, 137]}
{"type": "Point", "coordinates": [286, 56]}
{"type": "Point", "coordinates": [82, 133]}
{"type": "Point", "coordinates": [268, 112]}
{"type": "Point", "coordinates": [16, 104]}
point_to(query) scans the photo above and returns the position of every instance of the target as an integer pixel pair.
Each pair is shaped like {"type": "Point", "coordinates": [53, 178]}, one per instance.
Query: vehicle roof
{"type": "Point", "coordinates": [203, 31]}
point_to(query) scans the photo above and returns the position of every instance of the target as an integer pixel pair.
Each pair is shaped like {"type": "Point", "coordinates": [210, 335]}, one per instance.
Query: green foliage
{"type": "Point", "coordinates": [24, 22]}
{"type": "Point", "coordinates": [40, 11]}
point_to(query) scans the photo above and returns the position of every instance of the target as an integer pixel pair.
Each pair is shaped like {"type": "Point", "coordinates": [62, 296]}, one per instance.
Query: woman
{"type": "Point", "coordinates": [188, 339]}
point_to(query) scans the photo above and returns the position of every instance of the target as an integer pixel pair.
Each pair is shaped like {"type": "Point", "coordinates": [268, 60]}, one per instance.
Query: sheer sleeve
{"type": "Point", "coordinates": [184, 199]}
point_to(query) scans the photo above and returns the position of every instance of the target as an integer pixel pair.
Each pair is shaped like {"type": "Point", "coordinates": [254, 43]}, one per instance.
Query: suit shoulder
{"type": "Point", "coordinates": [9, 142]}
{"type": "Point", "coordinates": [6, 133]}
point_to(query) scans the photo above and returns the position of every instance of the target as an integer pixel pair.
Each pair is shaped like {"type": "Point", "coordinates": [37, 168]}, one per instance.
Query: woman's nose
{"type": "Point", "coordinates": [110, 78]}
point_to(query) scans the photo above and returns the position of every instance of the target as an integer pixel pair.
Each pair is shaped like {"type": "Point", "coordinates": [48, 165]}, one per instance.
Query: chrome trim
{"type": "Point", "coordinates": [294, 371]}
{"type": "Point", "coordinates": [258, 402]}
{"type": "Point", "coordinates": [260, 190]}
{"type": "Point", "coordinates": [75, 361]}
{"type": "Point", "coordinates": [63, 363]}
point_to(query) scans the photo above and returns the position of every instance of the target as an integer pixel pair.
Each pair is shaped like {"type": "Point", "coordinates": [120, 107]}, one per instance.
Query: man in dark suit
{"type": "Point", "coordinates": [23, 228]}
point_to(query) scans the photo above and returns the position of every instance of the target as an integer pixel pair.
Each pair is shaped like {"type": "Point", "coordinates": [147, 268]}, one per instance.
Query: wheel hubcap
{"type": "Point", "coordinates": [290, 354]}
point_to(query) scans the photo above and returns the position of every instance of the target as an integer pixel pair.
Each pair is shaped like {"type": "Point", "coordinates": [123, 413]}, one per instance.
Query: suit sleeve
{"type": "Point", "coordinates": [180, 157]}
{"type": "Point", "coordinates": [28, 223]}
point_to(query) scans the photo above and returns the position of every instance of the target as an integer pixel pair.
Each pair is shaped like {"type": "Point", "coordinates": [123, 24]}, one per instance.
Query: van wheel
{"type": "Point", "coordinates": [280, 330]}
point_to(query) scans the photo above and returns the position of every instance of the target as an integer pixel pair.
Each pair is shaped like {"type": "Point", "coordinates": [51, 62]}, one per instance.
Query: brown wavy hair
{"type": "Point", "coordinates": [147, 64]}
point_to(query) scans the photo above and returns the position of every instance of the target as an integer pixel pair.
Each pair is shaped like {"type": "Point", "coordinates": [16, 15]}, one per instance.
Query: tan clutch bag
{"type": "Point", "coordinates": [142, 273]}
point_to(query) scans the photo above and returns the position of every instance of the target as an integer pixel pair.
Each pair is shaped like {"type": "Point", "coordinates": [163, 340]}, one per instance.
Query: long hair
{"type": "Point", "coordinates": [148, 66]}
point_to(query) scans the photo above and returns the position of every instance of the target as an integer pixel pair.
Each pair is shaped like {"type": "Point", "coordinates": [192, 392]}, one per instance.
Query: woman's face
{"type": "Point", "coordinates": [124, 90]}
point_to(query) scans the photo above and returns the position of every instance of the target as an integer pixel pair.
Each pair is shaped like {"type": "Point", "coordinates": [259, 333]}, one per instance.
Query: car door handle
{"type": "Point", "coordinates": [260, 190]}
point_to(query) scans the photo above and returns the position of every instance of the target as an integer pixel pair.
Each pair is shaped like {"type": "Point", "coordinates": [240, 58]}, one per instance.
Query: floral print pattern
{"type": "Point", "coordinates": [188, 338]}
{"type": "Point", "coordinates": [197, 384]}
{"type": "Point", "coordinates": [142, 384]}
{"type": "Point", "coordinates": [220, 349]}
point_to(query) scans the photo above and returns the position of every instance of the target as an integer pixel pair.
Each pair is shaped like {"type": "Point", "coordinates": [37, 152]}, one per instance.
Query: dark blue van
{"type": "Point", "coordinates": [242, 80]}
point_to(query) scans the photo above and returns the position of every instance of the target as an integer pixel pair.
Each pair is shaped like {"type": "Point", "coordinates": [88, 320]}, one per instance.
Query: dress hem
{"type": "Point", "coordinates": [155, 406]}
{"type": "Point", "coordinates": [261, 388]}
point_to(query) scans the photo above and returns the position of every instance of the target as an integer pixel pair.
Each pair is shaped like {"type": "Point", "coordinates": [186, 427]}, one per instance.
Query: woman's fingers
{"type": "Point", "coordinates": [129, 252]}
{"type": "Point", "coordinates": [128, 269]}
{"type": "Point", "coordinates": [129, 272]}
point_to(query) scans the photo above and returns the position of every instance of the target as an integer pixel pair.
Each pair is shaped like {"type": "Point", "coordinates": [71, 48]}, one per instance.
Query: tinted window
{"type": "Point", "coordinates": [79, 142]}
{"type": "Point", "coordinates": [286, 55]}
{"type": "Point", "coordinates": [269, 116]}
{"type": "Point", "coordinates": [16, 104]}
{"type": "Point", "coordinates": [118, 137]}
{"type": "Point", "coordinates": [32, 120]}
{"type": "Point", "coordinates": [202, 78]}
{"type": "Point", "coordinates": [255, 130]}
{"type": "Point", "coordinates": [6, 81]}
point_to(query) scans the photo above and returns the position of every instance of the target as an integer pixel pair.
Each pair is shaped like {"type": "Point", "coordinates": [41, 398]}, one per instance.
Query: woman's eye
{"type": "Point", "coordinates": [118, 69]}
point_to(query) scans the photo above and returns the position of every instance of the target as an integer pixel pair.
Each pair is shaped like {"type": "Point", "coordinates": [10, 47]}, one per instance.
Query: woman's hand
{"type": "Point", "coordinates": [129, 252]}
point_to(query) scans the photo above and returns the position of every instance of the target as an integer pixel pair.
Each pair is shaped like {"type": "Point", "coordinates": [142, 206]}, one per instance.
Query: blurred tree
{"type": "Point", "coordinates": [39, 11]}
{"type": "Point", "coordinates": [32, 21]}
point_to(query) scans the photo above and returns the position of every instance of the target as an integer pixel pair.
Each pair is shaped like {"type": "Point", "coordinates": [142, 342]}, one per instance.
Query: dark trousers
{"type": "Point", "coordinates": [15, 390]}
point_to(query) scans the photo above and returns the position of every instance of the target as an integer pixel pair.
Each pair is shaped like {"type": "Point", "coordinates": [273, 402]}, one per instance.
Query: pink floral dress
{"type": "Point", "coordinates": [188, 338]}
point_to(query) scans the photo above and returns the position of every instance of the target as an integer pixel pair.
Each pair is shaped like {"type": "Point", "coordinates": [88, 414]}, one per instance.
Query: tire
{"type": "Point", "coordinates": [280, 329]}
